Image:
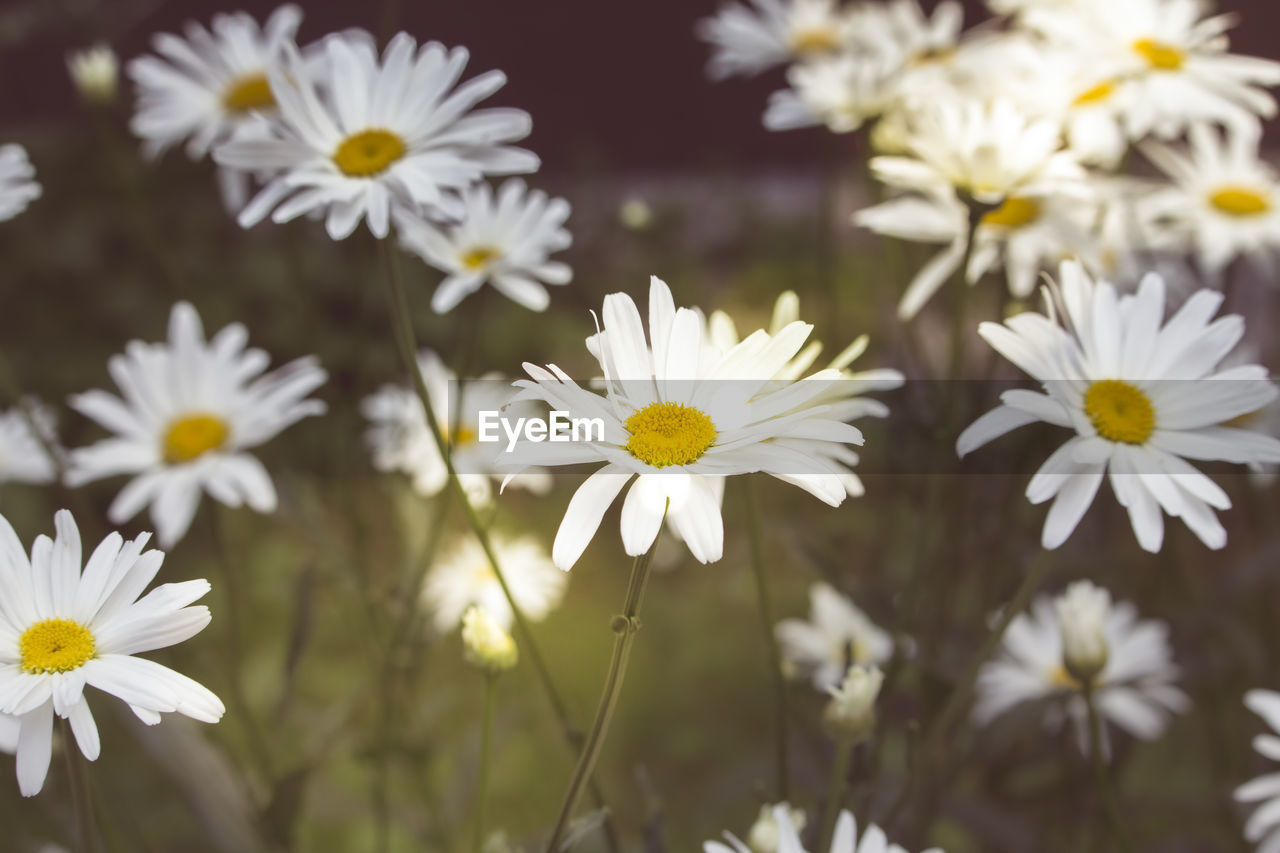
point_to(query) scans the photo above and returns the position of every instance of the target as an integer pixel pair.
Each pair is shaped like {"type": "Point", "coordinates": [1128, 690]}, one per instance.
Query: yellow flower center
{"type": "Point", "coordinates": [480, 257]}
{"type": "Point", "coordinates": [1061, 678]}
{"type": "Point", "coordinates": [812, 41]}
{"type": "Point", "coordinates": [1014, 213]}
{"type": "Point", "coordinates": [1119, 411]}
{"type": "Point", "coordinates": [1095, 95]}
{"type": "Point", "coordinates": [931, 55]}
{"type": "Point", "coordinates": [250, 92]}
{"type": "Point", "coordinates": [55, 645]}
{"type": "Point", "coordinates": [192, 435]}
{"type": "Point", "coordinates": [1158, 55]}
{"type": "Point", "coordinates": [368, 153]}
{"type": "Point", "coordinates": [457, 438]}
{"type": "Point", "coordinates": [665, 434]}
{"type": "Point", "coordinates": [1240, 201]}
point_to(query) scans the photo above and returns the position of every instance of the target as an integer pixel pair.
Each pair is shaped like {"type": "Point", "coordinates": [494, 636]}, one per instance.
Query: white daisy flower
{"type": "Point", "coordinates": [373, 134]}
{"type": "Point", "coordinates": [399, 439]}
{"type": "Point", "coordinates": [1135, 689]}
{"type": "Point", "coordinates": [18, 187]}
{"type": "Point", "coordinates": [62, 629]}
{"type": "Point", "coordinates": [1141, 397]}
{"type": "Point", "coordinates": [845, 840]}
{"type": "Point", "coordinates": [23, 454]}
{"type": "Point", "coordinates": [1263, 827]}
{"type": "Point", "coordinates": [924, 50]}
{"type": "Point", "coordinates": [1224, 199]}
{"type": "Point", "coordinates": [502, 239]}
{"type": "Point", "coordinates": [463, 576]}
{"type": "Point", "coordinates": [750, 39]}
{"type": "Point", "coordinates": [836, 635]}
{"type": "Point", "coordinates": [189, 413]}
{"type": "Point", "coordinates": [841, 91]}
{"type": "Point", "coordinates": [680, 425]}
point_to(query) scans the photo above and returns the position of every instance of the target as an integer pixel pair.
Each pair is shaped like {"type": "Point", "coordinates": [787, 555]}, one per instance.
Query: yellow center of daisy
{"type": "Point", "coordinates": [462, 435]}
{"type": "Point", "coordinates": [480, 257]}
{"type": "Point", "coordinates": [250, 92]}
{"type": "Point", "coordinates": [1014, 213]}
{"type": "Point", "coordinates": [665, 434]}
{"type": "Point", "coordinates": [1061, 678]}
{"type": "Point", "coordinates": [192, 435]}
{"type": "Point", "coordinates": [55, 645]}
{"type": "Point", "coordinates": [931, 55]}
{"type": "Point", "coordinates": [812, 41]}
{"type": "Point", "coordinates": [368, 153]}
{"type": "Point", "coordinates": [1095, 95]}
{"type": "Point", "coordinates": [1240, 201]}
{"type": "Point", "coordinates": [1119, 411]}
{"type": "Point", "coordinates": [1158, 55]}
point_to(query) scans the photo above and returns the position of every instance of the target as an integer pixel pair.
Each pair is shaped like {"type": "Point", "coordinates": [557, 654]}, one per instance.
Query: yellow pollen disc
{"type": "Point", "coordinates": [192, 435]}
{"type": "Point", "coordinates": [480, 257]}
{"type": "Point", "coordinates": [55, 645]}
{"type": "Point", "coordinates": [1096, 95]}
{"type": "Point", "coordinates": [1014, 213]}
{"type": "Point", "coordinates": [665, 434]}
{"type": "Point", "coordinates": [250, 92]}
{"type": "Point", "coordinates": [932, 55]}
{"type": "Point", "coordinates": [1158, 55]}
{"type": "Point", "coordinates": [1240, 201]}
{"type": "Point", "coordinates": [813, 41]}
{"type": "Point", "coordinates": [1061, 678]}
{"type": "Point", "coordinates": [462, 435]}
{"type": "Point", "coordinates": [1119, 411]}
{"type": "Point", "coordinates": [368, 153]}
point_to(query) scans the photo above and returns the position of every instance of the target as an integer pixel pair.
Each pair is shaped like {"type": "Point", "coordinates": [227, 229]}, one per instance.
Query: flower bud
{"type": "Point", "coordinates": [486, 644]}
{"type": "Point", "coordinates": [764, 835]}
{"type": "Point", "coordinates": [95, 73]}
{"type": "Point", "coordinates": [1082, 615]}
{"type": "Point", "coordinates": [851, 713]}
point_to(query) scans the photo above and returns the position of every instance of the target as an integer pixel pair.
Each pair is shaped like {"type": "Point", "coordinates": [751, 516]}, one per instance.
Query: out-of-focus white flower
{"type": "Point", "coordinates": [485, 643]}
{"type": "Point", "coordinates": [635, 214]}
{"type": "Point", "coordinates": [18, 187]}
{"type": "Point", "coordinates": [23, 454]}
{"type": "Point", "coordinates": [504, 240]}
{"type": "Point", "coordinates": [851, 713]}
{"type": "Point", "coordinates": [189, 413]}
{"type": "Point", "coordinates": [369, 135]}
{"type": "Point", "coordinates": [845, 840]}
{"type": "Point", "coordinates": [1263, 827]}
{"type": "Point", "coordinates": [1135, 689]}
{"type": "Point", "coordinates": [1082, 616]}
{"type": "Point", "coordinates": [750, 39]}
{"type": "Point", "coordinates": [63, 628]}
{"type": "Point", "coordinates": [841, 92]}
{"type": "Point", "coordinates": [765, 835]}
{"type": "Point", "coordinates": [462, 576]}
{"type": "Point", "coordinates": [836, 635]}
{"type": "Point", "coordinates": [95, 71]}
{"type": "Point", "coordinates": [1142, 397]}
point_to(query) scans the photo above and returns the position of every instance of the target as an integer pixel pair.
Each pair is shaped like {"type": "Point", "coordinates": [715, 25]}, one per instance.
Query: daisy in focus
{"type": "Point", "coordinates": [1263, 827]}
{"type": "Point", "coordinates": [836, 635]}
{"type": "Point", "coordinates": [1141, 397]}
{"type": "Point", "coordinates": [749, 39]}
{"type": "Point", "coordinates": [369, 135]}
{"type": "Point", "coordinates": [503, 240]}
{"type": "Point", "coordinates": [462, 577]}
{"type": "Point", "coordinates": [188, 413]}
{"type": "Point", "coordinates": [1223, 199]}
{"type": "Point", "coordinates": [65, 629]}
{"type": "Point", "coordinates": [680, 417]}
{"type": "Point", "coordinates": [23, 454]}
{"type": "Point", "coordinates": [1133, 673]}
{"type": "Point", "coordinates": [400, 440]}
{"type": "Point", "coordinates": [18, 187]}
{"type": "Point", "coordinates": [845, 840]}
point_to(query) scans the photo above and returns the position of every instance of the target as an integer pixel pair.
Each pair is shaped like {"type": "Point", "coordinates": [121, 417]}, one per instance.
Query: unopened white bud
{"type": "Point", "coordinates": [851, 713]}
{"type": "Point", "coordinates": [95, 73]}
{"type": "Point", "coordinates": [764, 836]}
{"type": "Point", "coordinates": [635, 214]}
{"type": "Point", "coordinates": [486, 644]}
{"type": "Point", "coordinates": [1082, 615]}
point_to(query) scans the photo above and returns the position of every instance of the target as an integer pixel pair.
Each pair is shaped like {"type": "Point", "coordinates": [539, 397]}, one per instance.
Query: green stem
{"type": "Point", "coordinates": [86, 832]}
{"type": "Point", "coordinates": [836, 789]}
{"type": "Point", "coordinates": [1100, 774]}
{"type": "Point", "coordinates": [486, 744]}
{"type": "Point", "coordinates": [754, 528]}
{"type": "Point", "coordinates": [961, 287]}
{"type": "Point", "coordinates": [625, 626]}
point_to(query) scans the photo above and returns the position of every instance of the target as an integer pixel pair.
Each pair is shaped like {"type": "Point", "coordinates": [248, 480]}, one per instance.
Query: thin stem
{"type": "Point", "coordinates": [86, 831]}
{"type": "Point", "coordinates": [958, 312]}
{"type": "Point", "coordinates": [836, 789]}
{"type": "Point", "coordinates": [756, 546]}
{"type": "Point", "coordinates": [1101, 777]}
{"type": "Point", "coordinates": [486, 744]}
{"type": "Point", "coordinates": [625, 626]}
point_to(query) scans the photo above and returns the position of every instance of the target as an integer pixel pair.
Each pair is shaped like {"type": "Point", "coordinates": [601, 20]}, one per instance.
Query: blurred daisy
{"type": "Point", "coordinates": [1141, 398]}
{"type": "Point", "coordinates": [1263, 827]}
{"type": "Point", "coordinates": [836, 635]}
{"type": "Point", "coordinates": [924, 51]}
{"type": "Point", "coordinates": [18, 187]}
{"type": "Point", "coordinates": [64, 629]}
{"type": "Point", "coordinates": [845, 840]}
{"type": "Point", "coordinates": [399, 439]}
{"type": "Point", "coordinates": [502, 240]}
{"type": "Point", "coordinates": [1223, 198]}
{"type": "Point", "coordinates": [751, 39]}
{"type": "Point", "coordinates": [765, 836]}
{"type": "Point", "coordinates": [681, 425]}
{"type": "Point", "coordinates": [1134, 690]}
{"type": "Point", "coordinates": [373, 134]}
{"type": "Point", "coordinates": [463, 577]}
{"type": "Point", "coordinates": [840, 92]}
{"type": "Point", "coordinates": [95, 72]}
{"type": "Point", "coordinates": [188, 414]}
{"type": "Point", "coordinates": [23, 457]}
